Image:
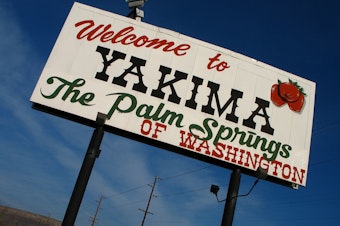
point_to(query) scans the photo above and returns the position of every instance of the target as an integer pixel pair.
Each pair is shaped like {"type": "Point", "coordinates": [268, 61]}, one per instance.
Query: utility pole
{"type": "Point", "coordinates": [95, 215]}
{"type": "Point", "coordinates": [146, 211]}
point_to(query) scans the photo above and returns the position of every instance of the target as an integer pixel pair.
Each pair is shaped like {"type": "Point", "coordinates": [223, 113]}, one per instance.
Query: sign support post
{"type": "Point", "coordinates": [92, 153]}
{"type": "Point", "coordinates": [230, 204]}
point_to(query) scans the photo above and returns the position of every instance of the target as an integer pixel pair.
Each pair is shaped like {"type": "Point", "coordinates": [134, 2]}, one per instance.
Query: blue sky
{"type": "Point", "coordinates": [41, 154]}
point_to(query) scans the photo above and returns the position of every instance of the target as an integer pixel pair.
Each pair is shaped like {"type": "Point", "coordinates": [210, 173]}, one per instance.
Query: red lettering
{"type": "Point", "coordinates": [286, 171]}
{"type": "Point", "coordinates": [243, 158]}
{"type": "Point", "coordinates": [90, 31]}
{"type": "Point", "coordinates": [146, 131]}
{"type": "Point", "coordinates": [142, 39]}
{"type": "Point", "coordinates": [234, 154]}
{"type": "Point", "coordinates": [240, 161]}
{"type": "Point", "coordinates": [146, 128]}
{"type": "Point", "coordinates": [295, 174]}
{"type": "Point", "coordinates": [181, 49]}
{"type": "Point", "coordinates": [157, 130]}
{"type": "Point", "coordinates": [213, 63]}
{"type": "Point", "coordinates": [264, 164]}
{"type": "Point", "coordinates": [219, 150]}
{"type": "Point", "coordinates": [122, 33]}
{"type": "Point", "coordinates": [91, 35]}
{"type": "Point", "coordinates": [107, 36]}
{"type": "Point", "coordinates": [276, 163]}
{"type": "Point", "coordinates": [204, 144]}
{"type": "Point", "coordinates": [188, 142]}
{"type": "Point", "coordinates": [252, 159]}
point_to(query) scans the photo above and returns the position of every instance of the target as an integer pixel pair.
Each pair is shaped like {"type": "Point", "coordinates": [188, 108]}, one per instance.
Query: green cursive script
{"type": "Point", "coordinates": [71, 91]}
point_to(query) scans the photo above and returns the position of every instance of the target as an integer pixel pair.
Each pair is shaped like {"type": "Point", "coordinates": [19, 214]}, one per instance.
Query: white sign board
{"type": "Point", "coordinates": [180, 91]}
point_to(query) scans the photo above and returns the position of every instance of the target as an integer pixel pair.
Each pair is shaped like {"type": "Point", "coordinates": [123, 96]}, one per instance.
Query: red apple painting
{"type": "Point", "coordinates": [290, 93]}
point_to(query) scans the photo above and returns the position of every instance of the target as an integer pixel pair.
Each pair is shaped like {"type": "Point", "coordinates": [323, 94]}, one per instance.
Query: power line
{"type": "Point", "coordinates": [184, 192]}
{"type": "Point", "coordinates": [129, 190]}
{"type": "Point", "coordinates": [165, 178]}
{"type": "Point", "coordinates": [162, 178]}
{"type": "Point", "coordinates": [186, 173]}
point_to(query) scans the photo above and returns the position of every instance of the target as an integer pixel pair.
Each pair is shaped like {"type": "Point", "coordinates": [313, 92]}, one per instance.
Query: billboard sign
{"type": "Point", "coordinates": [189, 95]}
